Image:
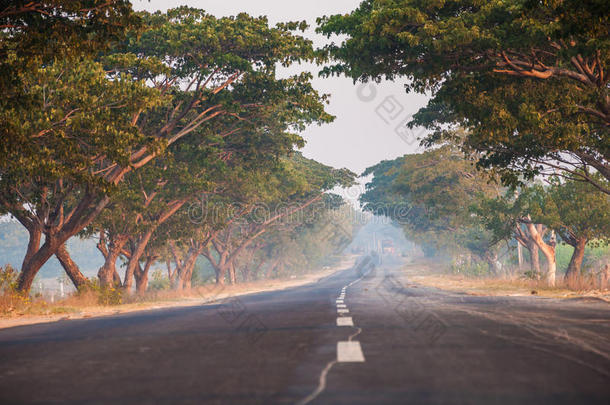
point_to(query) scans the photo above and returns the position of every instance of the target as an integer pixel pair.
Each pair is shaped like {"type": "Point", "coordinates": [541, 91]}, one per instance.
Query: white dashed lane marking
{"type": "Point", "coordinates": [349, 352]}
{"type": "Point", "coordinates": [345, 321]}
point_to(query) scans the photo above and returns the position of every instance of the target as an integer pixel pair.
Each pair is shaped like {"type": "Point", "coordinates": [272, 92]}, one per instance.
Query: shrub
{"type": "Point", "coordinates": [159, 281]}
{"type": "Point", "coordinates": [10, 299]}
{"type": "Point", "coordinates": [105, 296]}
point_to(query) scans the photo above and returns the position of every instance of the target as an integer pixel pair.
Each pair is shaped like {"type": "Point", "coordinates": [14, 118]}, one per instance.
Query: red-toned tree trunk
{"type": "Point", "coordinates": [71, 268]}
{"type": "Point", "coordinates": [577, 258]}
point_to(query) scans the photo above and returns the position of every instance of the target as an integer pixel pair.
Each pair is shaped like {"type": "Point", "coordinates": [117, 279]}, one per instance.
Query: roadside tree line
{"type": "Point", "coordinates": [116, 123]}
{"type": "Point", "coordinates": [518, 87]}
{"type": "Point", "coordinates": [451, 209]}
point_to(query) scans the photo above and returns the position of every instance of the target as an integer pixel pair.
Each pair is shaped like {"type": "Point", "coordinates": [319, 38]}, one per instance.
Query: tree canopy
{"type": "Point", "coordinates": [527, 79]}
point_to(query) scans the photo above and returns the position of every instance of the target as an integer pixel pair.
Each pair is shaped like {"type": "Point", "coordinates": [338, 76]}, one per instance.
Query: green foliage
{"type": "Point", "coordinates": [525, 78]}
{"type": "Point", "coordinates": [596, 255]}
{"type": "Point", "coordinates": [473, 269]}
{"type": "Point", "coordinates": [429, 195]}
{"type": "Point", "coordinates": [105, 295]}
{"type": "Point", "coordinates": [159, 281]}
{"type": "Point", "coordinates": [180, 105]}
{"type": "Point", "coordinates": [8, 278]}
{"type": "Point", "coordinates": [576, 210]}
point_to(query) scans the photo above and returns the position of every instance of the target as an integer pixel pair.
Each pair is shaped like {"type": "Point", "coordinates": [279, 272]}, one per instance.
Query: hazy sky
{"type": "Point", "coordinates": [364, 131]}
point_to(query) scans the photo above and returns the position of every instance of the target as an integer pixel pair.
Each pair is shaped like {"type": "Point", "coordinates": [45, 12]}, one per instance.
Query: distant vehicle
{"type": "Point", "coordinates": [387, 247]}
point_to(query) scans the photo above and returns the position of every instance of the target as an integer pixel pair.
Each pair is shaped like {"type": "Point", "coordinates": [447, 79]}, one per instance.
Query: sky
{"type": "Point", "coordinates": [368, 126]}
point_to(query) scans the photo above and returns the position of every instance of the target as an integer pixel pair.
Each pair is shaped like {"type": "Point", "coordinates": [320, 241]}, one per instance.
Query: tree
{"type": "Point", "coordinates": [502, 216]}
{"type": "Point", "coordinates": [429, 195]}
{"type": "Point", "coordinates": [578, 214]}
{"type": "Point", "coordinates": [190, 83]}
{"type": "Point", "coordinates": [527, 79]}
{"type": "Point", "coordinates": [51, 183]}
{"type": "Point", "coordinates": [259, 201]}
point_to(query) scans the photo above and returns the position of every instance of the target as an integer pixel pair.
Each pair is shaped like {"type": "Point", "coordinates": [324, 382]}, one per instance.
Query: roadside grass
{"type": "Point", "coordinates": [437, 275]}
{"type": "Point", "coordinates": [13, 304]}
{"type": "Point", "coordinates": [98, 302]}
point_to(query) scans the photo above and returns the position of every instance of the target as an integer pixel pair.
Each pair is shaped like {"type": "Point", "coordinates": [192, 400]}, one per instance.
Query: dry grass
{"type": "Point", "coordinates": [434, 275]}
{"type": "Point", "coordinates": [16, 310]}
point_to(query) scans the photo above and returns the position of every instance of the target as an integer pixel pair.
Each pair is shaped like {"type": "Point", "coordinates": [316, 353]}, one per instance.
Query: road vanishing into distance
{"type": "Point", "coordinates": [364, 335]}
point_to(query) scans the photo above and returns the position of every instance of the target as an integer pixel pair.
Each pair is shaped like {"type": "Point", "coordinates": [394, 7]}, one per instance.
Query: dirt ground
{"type": "Point", "coordinates": [433, 275]}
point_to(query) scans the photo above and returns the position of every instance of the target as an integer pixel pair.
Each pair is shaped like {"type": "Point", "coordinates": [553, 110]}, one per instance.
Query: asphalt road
{"type": "Point", "coordinates": [408, 345]}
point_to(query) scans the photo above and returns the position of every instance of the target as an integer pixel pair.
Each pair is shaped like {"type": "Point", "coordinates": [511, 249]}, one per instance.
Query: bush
{"type": "Point", "coordinates": [474, 269]}
{"type": "Point", "coordinates": [105, 296]}
{"type": "Point", "coordinates": [159, 281]}
{"type": "Point", "coordinates": [10, 299]}
{"type": "Point", "coordinates": [8, 278]}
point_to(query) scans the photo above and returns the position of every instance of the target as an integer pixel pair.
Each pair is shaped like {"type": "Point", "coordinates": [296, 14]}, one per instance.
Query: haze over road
{"type": "Point", "coordinates": [418, 346]}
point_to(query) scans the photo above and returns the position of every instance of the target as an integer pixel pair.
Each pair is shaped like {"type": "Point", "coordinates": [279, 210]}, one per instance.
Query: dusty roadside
{"type": "Point", "coordinates": [430, 274]}
{"type": "Point", "coordinates": [197, 296]}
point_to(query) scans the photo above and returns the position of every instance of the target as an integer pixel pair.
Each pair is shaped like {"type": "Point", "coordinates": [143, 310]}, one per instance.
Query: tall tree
{"type": "Point", "coordinates": [260, 201]}
{"type": "Point", "coordinates": [578, 214]}
{"type": "Point", "coordinates": [195, 73]}
{"type": "Point", "coordinates": [528, 79]}
{"type": "Point", "coordinates": [430, 195]}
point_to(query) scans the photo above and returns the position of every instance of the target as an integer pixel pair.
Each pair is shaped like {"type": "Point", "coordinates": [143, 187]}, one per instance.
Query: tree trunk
{"type": "Point", "coordinates": [184, 268]}
{"type": "Point", "coordinates": [232, 273]}
{"type": "Point", "coordinates": [534, 259]}
{"type": "Point", "coordinates": [171, 275]}
{"type": "Point", "coordinates": [188, 278]}
{"type": "Point", "coordinates": [520, 255]}
{"type": "Point", "coordinates": [185, 272]}
{"type": "Point", "coordinates": [71, 268]}
{"type": "Point", "coordinates": [79, 219]}
{"type": "Point", "coordinates": [548, 250]}
{"type": "Point", "coordinates": [108, 274]}
{"type": "Point", "coordinates": [134, 260]}
{"type": "Point", "coordinates": [141, 276]}
{"type": "Point", "coordinates": [272, 268]}
{"type": "Point", "coordinates": [221, 272]}
{"type": "Point", "coordinates": [492, 261]}
{"type": "Point", "coordinates": [30, 267]}
{"type": "Point", "coordinates": [577, 258]}
{"type": "Point", "coordinates": [35, 235]}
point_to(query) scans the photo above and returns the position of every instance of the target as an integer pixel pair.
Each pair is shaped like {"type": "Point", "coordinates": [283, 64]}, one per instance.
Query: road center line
{"type": "Point", "coordinates": [349, 352]}
{"type": "Point", "coordinates": [345, 321]}
{"type": "Point", "coordinates": [321, 384]}
{"type": "Point", "coordinates": [359, 330]}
